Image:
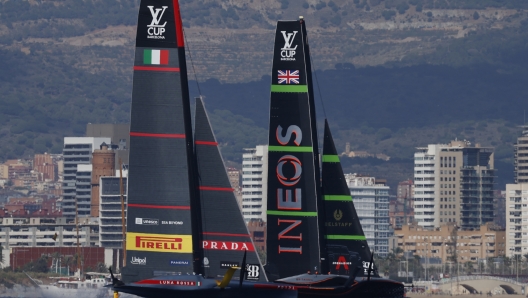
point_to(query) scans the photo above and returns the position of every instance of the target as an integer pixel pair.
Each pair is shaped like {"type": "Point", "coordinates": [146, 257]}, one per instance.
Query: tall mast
{"type": "Point", "coordinates": [78, 244]}
{"type": "Point", "coordinates": [123, 222]}
{"type": "Point", "coordinates": [317, 173]}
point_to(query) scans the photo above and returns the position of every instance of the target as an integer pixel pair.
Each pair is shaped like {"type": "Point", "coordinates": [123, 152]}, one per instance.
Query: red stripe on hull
{"type": "Point", "coordinates": [159, 206]}
{"type": "Point", "coordinates": [179, 25]}
{"type": "Point", "coordinates": [151, 68]}
{"type": "Point", "coordinates": [157, 135]}
{"type": "Point", "coordinates": [225, 234]}
{"type": "Point", "coordinates": [216, 188]}
{"type": "Point", "coordinates": [277, 287]}
{"type": "Point", "coordinates": [206, 143]}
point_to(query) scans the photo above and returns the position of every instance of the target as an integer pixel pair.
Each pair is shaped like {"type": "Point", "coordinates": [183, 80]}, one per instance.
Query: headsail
{"type": "Point", "coordinates": [161, 175]}
{"type": "Point", "coordinates": [292, 235]}
{"type": "Point", "coordinates": [347, 247]}
{"type": "Point", "coordinates": [225, 235]}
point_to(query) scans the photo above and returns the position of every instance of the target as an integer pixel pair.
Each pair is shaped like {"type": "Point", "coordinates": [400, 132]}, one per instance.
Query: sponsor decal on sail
{"type": "Point", "coordinates": [287, 52]}
{"type": "Point", "coordinates": [228, 264]}
{"type": "Point", "coordinates": [159, 243]}
{"type": "Point", "coordinates": [178, 263]}
{"type": "Point", "coordinates": [138, 261]}
{"type": "Point", "coordinates": [227, 245]}
{"type": "Point", "coordinates": [288, 77]}
{"type": "Point", "coordinates": [146, 221]}
{"type": "Point", "coordinates": [341, 261]}
{"type": "Point", "coordinates": [156, 57]}
{"type": "Point", "coordinates": [253, 271]}
{"type": "Point", "coordinates": [366, 266]}
{"type": "Point", "coordinates": [338, 215]}
{"type": "Point", "coordinates": [172, 222]}
{"type": "Point", "coordinates": [156, 30]}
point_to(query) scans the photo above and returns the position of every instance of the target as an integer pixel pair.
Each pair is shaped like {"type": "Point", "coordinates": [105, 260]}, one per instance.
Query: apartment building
{"type": "Point", "coordinates": [521, 157]}
{"type": "Point", "coordinates": [78, 151]}
{"type": "Point", "coordinates": [471, 245]}
{"type": "Point", "coordinates": [371, 200]}
{"type": "Point", "coordinates": [40, 229]}
{"type": "Point", "coordinates": [110, 214]}
{"type": "Point", "coordinates": [254, 185]}
{"type": "Point", "coordinates": [517, 219]}
{"type": "Point", "coordinates": [453, 183]}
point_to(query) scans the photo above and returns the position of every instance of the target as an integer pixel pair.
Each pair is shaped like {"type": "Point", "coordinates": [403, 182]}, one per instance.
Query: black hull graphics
{"type": "Point", "coordinates": [379, 288]}
{"type": "Point", "coordinates": [196, 286]}
{"type": "Point", "coordinates": [332, 285]}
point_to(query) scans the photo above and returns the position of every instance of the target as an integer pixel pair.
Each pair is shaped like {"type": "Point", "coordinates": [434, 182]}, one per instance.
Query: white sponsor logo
{"type": "Point", "coordinates": [172, 222]}
{"type": "Point", "coordinates": [253, 271]}
{"type": "Point", "coordinates": [146, 221]}
{"type": "Point", "coordinates": [287, 52]}
{"type": "Point", "coordinates": [155, 30]}
{"type": "Point", "coordinates": [138, 261]}
{"type": "Point", "coordinates": [366, 266]}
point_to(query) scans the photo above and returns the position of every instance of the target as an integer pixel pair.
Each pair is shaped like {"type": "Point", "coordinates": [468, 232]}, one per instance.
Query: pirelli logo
{"type": "Point", "coordinates": [159, 243]}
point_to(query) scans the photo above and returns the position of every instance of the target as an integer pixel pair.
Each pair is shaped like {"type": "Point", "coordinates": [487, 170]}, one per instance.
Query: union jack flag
{"type": "Point", "coordinates": [288, 77]}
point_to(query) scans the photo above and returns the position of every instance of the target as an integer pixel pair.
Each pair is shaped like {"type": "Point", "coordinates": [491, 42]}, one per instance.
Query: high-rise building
{"type": "Point", "coordinates": [453, 183]}
{"type": "Point", "coordinates": [110, 212]}
{"type": "Point", "coordinates": [254, 187]}
{"type": "Point", "coordinates": [371, 200]}
{"type": "Point", "coordinates": [103, 164]}
{"type": "Point", "coordinates": [516, 230]}
{"type": "Point", "coordinates": [77, 151]}
{"type": "Point", "coordinates": [521, 157]}
{"type": "Point", "coordinates": [83, 189]}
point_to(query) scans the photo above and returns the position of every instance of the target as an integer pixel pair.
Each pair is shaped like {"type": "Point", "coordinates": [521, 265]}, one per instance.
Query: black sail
{"type": "Point", "coordinates": [161, 175]}
{"type": "Point", "coordinates": [225, 235]}
{"type": "Point", "coordinates": [346, 245]}
{"type": "Point", "coordinates": [292, 235]}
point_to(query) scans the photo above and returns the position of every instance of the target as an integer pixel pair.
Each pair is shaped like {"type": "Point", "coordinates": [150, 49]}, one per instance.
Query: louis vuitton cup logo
{"type": "Point", "coordinates": [155, 30]}
{"type": "Point", "coordinates": [287, 52]}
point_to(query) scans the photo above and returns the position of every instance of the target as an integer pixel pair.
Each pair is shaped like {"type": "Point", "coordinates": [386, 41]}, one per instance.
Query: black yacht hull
{"type": "Point", "coordinates": [332, 285]}
{"type": "Point", "coordinates": [199, 287]}
{"type": "Point", "coordinates": [363, 289]}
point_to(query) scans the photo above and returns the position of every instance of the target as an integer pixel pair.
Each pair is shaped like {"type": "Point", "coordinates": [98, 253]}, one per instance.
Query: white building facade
{"type": "Point", "coordinates": [371, 200]}
{"type": "Point", "coordinates": [516, 219]}
{"type": "Point", "coordinates": [424, 185]}
{"type": "Point", "coordinates": [77, 151]}
{"type": "Point", "coordinates": [110, 215]}
{"type": "Point", "coordinates": [453, 183]}
{"type": "Point", "coordinates": [254, 185]}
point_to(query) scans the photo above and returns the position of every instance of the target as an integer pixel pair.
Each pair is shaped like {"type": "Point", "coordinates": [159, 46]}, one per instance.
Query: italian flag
{"type": "Point", "coordinates": [156, 57]}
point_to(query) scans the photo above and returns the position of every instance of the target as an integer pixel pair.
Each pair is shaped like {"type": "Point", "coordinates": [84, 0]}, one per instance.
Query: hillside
{"type": "Point", "coordinates": [393, 74]}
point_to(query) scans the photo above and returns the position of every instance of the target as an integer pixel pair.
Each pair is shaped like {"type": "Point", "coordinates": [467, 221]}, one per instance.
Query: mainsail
{"type": "Point", "coordinates": [347, 247]}
{"type": "Point", "coordinates": [162, 184]}
{"type": "Point", "coordinates": [225, 235]}
{"type": "Point", "coordinates": [293, 176]}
